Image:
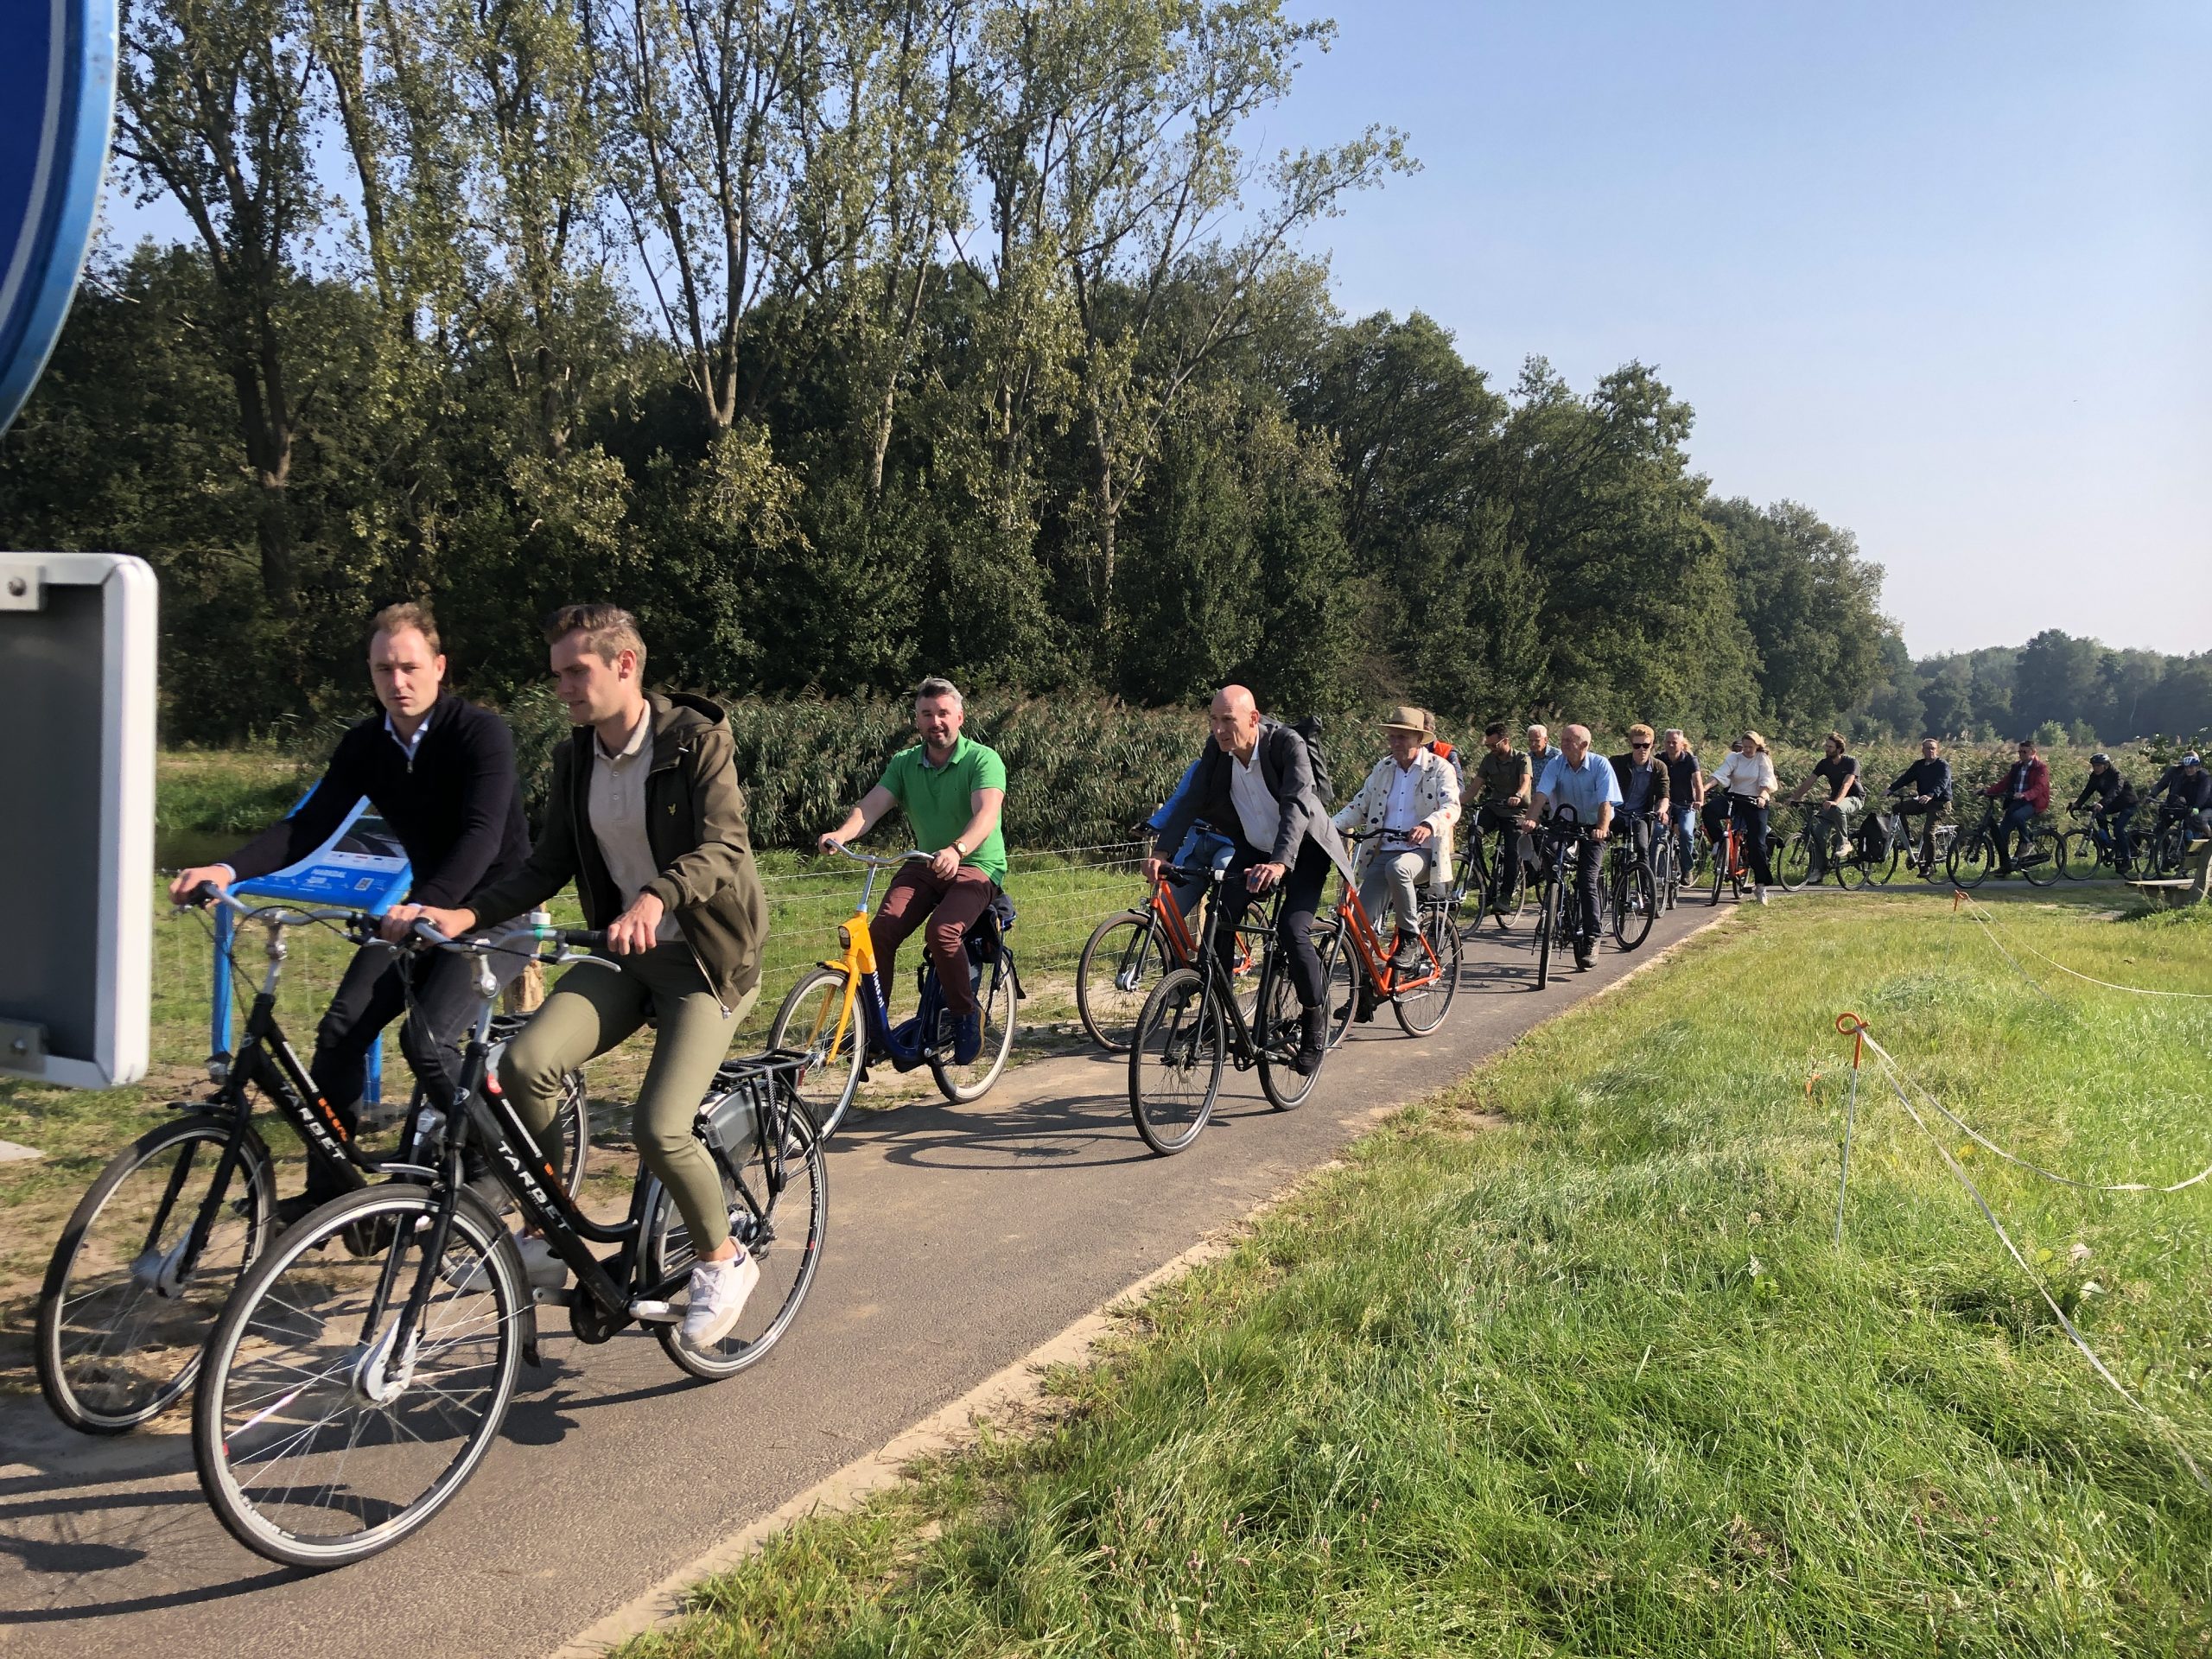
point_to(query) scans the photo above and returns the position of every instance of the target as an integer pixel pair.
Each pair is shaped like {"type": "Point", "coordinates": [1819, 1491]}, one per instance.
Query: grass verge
{"type": "Point", "coordinates": [1564, 1361]}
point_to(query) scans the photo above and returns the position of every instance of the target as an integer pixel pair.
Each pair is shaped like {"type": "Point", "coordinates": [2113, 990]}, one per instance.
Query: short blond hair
{"type": "Point", "coordinates": [1639, 733]}
{"type": "Point", "coordinates": [609, 630]}
{"type": "Point", "coordinates": [397, 619]}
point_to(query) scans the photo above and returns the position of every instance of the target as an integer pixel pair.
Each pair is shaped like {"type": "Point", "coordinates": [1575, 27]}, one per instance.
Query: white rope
{"type": "Point", "coordinates": [1988, 1215]}
{"type": "Point", "coordinates": [1983, 916]}
{"type": "Point", "coordinates": [1896, 1073]}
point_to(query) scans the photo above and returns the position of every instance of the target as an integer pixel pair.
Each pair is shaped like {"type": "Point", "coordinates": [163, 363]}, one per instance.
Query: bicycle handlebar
{"type": "Point", "coordinates": [576, 943]}
{"type": "Point", "coordinates": [875, 862]}
{"type": "Point", "coordinates": [274, 915]}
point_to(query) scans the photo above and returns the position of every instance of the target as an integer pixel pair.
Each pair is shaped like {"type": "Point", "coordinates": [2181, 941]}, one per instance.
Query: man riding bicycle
{"type": "Point", "coordinates": [1411, 797]}
{"type": "Point", "coordinates": [1685, 794]}
{"type": "Point", "coordinates": [2110, 799]}
{"type": "Point", "coordinates": [1503, 782]}
{"type": "Point", "coordinates": [1579, 780]}
{"type": "Point", "coordinates": [1924, 791]}
{"type": "Point", "coordinates": [2187, 786]}
{"type": "Point", "coordinates": [952, 790]}
{"type": "Point", "coordinates": [1646, 786]}
{"type": "Point", "coordinates": [1837, 775]}
{"type": "Point", "coordinates": [2025, 791]}
{"type": "Point", "coordinates": [1255, 779]}
{"type": "Point", "coordinates": [646, 815]}
{"type": "Point", "coordinates": [441, 774]}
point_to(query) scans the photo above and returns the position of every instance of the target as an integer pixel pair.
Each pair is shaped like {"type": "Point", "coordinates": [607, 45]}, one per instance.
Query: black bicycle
{"type": "Point", "coordinates": [1565, 840]}
{"type": "Point", "coordinates": [347, 1396]}
{"type": "Point", "coordinates": [1633, 880]}
{"type": "Point", "coordinates": [1193, 1026]}
{"type": "Point", "coordinates": [1487, 884]}
{"type": "Point", "coordinates": [154, 1249]}
{"type": "Point", "coordinates": [1974, 855]}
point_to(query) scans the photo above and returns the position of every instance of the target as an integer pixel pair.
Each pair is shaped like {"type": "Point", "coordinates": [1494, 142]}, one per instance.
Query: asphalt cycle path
{"type": "Point", "coordinates": [960, 1238]}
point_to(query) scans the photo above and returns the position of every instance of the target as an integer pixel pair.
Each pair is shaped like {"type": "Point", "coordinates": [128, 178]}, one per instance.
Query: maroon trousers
{"type": "Point", "coordinates": [916, 895]}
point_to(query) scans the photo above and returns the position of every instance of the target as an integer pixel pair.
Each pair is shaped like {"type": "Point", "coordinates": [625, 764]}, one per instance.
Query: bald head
{"type": "Point", "coordinates": [1574, 743]}
{"type": "Point", "coordinates": [1234, 718]}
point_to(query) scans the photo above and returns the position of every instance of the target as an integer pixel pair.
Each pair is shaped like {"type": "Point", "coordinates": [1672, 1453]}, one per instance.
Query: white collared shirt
{"type": "Point", "coordinates": [1256, 809]}
{"type": "Point", "coordinates": [1403, 811]}
{"type": "Point", "coordinates": [617, 810]}
{"type": "Point", "coordinates": [408, 746]}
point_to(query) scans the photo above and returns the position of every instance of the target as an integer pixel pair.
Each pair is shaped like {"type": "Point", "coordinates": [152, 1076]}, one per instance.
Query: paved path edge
{"type": "Point", "coordinates": [1011, 1389]}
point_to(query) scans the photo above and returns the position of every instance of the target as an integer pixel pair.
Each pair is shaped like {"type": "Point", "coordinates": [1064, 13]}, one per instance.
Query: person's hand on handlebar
{"type": "Point", "coordinates": [185, 890]}
{"type": "Point", "coordinates": [1419, 834]}
{"type": "Point", "coordinates": [634, 932]}
{"type": "Point", "coordinates": [400, 919]}
{"type": "Point", "coordinates": [828, 842]}
{"type": "Point", "coordinates": [1153, 865]}
{"type": "Point", "coordinates": [1262, 877]}
{"type": "Point", "coordinates": [944, 863]}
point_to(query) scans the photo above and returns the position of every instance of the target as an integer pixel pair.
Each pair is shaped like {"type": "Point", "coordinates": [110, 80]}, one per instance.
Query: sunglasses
{"type": "Point", "coordinates": [1639, 746]}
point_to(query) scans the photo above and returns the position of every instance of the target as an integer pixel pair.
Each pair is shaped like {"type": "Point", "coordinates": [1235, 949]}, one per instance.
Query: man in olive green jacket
{"type": "Point", "coordinates": [646, 815]}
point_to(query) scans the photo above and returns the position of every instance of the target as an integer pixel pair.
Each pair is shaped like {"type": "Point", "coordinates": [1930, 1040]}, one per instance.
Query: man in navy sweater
{"type": "Point", "coordinates": [441, 774]}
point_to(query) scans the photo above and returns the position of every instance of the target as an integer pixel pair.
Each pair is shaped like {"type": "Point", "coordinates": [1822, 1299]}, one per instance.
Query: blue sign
{"type": "Point", "coordinates": [57, 96]}
{"type": "Point", "coordinates": [361, 867]}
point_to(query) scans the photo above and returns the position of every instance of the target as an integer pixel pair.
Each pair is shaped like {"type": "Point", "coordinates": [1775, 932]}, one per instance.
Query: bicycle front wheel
{"type": "Point", "coordinates": [2077, 855]}
{"type": "Point", "coordinates": [1175, 1060]}
{"type": "Point", "coordinates": [123, 1313]}
{"type": "Point", "coordinates": [995, 997]}
{"type": "Point", "coordinates": [807, 1024]}
{"type": "Point", "coordinates": [1547, 903]}
{"type": "Point", "coordinates": [777, 1196]}
{"type": "Point", "coordinates": [1422, 1010]}
{"type": "Point", "coordinates": [1635, 900]}
{"type": "Point", "coordinates": [323, 1436]}
{"type": "Point", "coordinates": [1341, 973]}
{"type": "Point", "coordinates": [1122, 961]}
{"type": "Point", "coordinates": [1973, 858]}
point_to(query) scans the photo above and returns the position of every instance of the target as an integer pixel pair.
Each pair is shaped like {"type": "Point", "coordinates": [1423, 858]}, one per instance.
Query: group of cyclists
{"type": "Point", "coordinates": [646, 815]}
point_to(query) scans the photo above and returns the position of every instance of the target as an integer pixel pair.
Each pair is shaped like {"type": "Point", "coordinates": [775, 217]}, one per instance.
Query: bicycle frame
{"type": "Point", "coordinates": [1243, 1041]}
{"type": "Point", "coordinates": [1373, 958]}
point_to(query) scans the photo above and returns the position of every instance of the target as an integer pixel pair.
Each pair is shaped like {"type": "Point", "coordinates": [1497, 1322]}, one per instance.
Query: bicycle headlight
{"type": "Point", "coordinates": [844, 936]}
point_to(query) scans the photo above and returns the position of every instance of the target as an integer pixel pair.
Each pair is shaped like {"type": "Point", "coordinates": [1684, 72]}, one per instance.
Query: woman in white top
{"type": "Point", "coordinates": [1748, 776]}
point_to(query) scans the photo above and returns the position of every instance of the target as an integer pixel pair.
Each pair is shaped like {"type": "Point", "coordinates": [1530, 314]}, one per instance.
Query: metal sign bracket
{"type": "Point", "coordinates": [23, 584]}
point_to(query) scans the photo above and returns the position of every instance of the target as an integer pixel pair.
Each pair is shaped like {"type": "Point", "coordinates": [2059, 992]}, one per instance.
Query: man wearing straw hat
{"type": "Point", "coordinates": [1407, 808]}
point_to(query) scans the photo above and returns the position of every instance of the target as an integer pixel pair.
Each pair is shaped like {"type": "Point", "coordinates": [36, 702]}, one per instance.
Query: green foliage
{"type": "Point", "coordinates": [2056, 682]}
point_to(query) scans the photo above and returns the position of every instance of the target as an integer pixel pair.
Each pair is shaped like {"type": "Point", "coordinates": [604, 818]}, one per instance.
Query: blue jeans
{"type": "Point", "coordinates": [2110, 832]}
{"type": "Point", "coordinates": [1684, 814]}
{"type": "Point", "coordinates": [2013, 832]}
{"type": "Point", "coordinates": [1202, 849]}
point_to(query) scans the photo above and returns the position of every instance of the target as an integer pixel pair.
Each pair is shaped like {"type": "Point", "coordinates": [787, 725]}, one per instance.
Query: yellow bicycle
{"type": "Point", "coordinates": [818, 1019]}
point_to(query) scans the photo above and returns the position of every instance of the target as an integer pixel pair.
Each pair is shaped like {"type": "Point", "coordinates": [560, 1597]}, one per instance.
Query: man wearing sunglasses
{"type": "Point", "coordinates": [1646, 787]}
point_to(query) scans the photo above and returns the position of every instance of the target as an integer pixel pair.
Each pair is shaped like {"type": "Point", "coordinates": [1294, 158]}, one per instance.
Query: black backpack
{"type": "Point", "coordinates": [1309, 731]}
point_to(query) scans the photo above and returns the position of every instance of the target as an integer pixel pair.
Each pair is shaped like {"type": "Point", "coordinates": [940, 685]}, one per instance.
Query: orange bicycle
{"type": "Point", "coordinates": [1129, 953]}
{"type": "Point", "coordinates": [1420, 996]}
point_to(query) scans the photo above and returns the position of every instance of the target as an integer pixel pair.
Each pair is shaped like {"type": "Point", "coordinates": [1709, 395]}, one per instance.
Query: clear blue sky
{"type": "Point", "coordinates": [1942, 272]}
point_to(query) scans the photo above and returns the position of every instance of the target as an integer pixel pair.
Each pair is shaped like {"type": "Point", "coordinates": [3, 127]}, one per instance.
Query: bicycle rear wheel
{"type": "Point", "coordinates": [121, 1320]}
{"type": "Point", "coordinates": [1794, 867]}
{"type": "Point", "coordinates": [995, 997]}
{"type": "Point", "coordinates": [1546, 927]}
{"type": "Point", "coordinates": [1175, 1060]}
{"type": "Point", "coordinates": [1276, 1035]}
{"type": "Point", "coordinates": [2039, 859]}
{"type": "Point", "coordinates": [1422, 1011]}
{"type": "Point", "coordinates": [320, 1440]}
{"type": "Point", "coordinates": [1122, 961]}
{"type": "Point", "coordinates": [1471, 891]}
{"type": "Point", "coordinates": [1635, 900]}
{"type": "Point", "coordinates": [777, 1198]}
{"type": "Point", "coordinates": [807, 1024]}
{"type": "Point", "coordinates": [1509, 896]}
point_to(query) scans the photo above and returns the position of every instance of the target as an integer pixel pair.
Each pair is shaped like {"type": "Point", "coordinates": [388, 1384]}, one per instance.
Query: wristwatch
{"type": "Point", "coordinates": [960, 848]}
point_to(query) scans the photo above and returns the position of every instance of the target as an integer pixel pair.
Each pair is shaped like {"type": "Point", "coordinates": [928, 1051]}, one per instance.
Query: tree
{"type": "Point", "coordinates": [1813, 606]}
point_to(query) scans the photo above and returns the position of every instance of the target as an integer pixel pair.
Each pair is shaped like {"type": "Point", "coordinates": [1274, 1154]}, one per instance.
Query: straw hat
{"type": "Point", "coordinates": [1407, 718]}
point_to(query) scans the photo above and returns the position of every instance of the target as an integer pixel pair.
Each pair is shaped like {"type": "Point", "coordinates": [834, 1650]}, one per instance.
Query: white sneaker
{"type": "Point", "coordinates": [717, 1293]}
{"type": "Point", "coordinates": [1758, 892]}
{"type": "Point", "coordinates": [541, 1268]}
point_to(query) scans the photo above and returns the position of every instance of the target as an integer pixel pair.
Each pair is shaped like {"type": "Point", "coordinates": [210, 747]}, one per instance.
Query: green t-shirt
{"type": "Point", "coordinates": [939, 800]}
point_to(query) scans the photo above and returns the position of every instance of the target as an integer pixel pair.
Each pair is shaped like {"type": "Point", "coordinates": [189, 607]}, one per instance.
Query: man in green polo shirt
{"type": "Point", "coordinates": [951, 789]}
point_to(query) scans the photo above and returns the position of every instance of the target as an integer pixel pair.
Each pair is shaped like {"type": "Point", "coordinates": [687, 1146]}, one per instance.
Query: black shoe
{"type": "Point", "coordinates": [291, 1212]}
{"type": "Point", "coordinates": [1582, 961]}
{"type": "Point", "coordinates": [1409, 957]}
{"type": "Point", "coordinates": [1312, 1042]}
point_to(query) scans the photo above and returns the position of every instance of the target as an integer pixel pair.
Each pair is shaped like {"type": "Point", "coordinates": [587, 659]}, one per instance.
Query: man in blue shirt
{"type": "Point", "coordinates": [1583, 783]}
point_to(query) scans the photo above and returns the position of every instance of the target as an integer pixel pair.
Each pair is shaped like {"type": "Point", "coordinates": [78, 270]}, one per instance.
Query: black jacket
{"type": "Point", "coordinates": [2180, 790]}
{"type": "Point", "coordinates": [1661, 784]}
{"type": "Point", "coordinates": [1288, 775]}
{"type": "Point", "coordinates": [2112, 792]}
{"type": "Point", "coordinates": [1925, 777]}
{"type": "Point", "coordinates": [454, 805]}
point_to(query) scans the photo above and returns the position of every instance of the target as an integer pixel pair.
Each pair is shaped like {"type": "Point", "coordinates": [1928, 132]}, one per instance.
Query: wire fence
{"type": "Point", "coordinates": [1060, 894]}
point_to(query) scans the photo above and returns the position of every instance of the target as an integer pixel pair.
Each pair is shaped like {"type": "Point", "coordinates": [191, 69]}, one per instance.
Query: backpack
{"type": "Point", "coordinates": [1309, 731]}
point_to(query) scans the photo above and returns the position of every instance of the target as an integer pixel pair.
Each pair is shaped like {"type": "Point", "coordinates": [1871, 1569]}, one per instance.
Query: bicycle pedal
{"type": "Point", "coordinates": [647, 1311]}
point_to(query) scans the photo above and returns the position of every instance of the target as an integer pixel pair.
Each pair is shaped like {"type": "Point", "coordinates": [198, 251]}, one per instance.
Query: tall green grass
{"type": "Point", "coordinates": [1565, 1363]}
